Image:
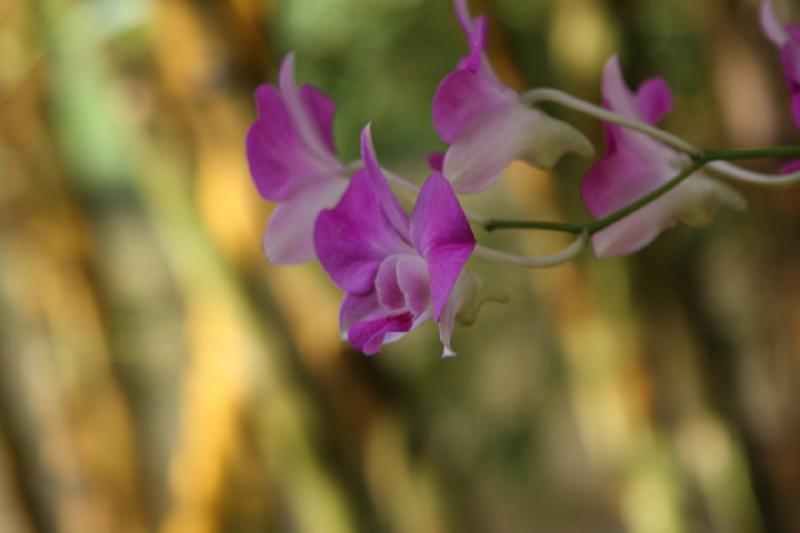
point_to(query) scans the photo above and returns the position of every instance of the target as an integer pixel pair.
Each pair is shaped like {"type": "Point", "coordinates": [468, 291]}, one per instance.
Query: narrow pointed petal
{"type": "Point", "coordinates": [352, 239]}
{"type": "Point", "coordinates": [442, 236]}
{"type": "Point", "coordinates": [772, 26]}
{"type": "Point", "coordinates": [390, 207]}
{"type": "Point", "coordinates": [493, 140]}
{"type": "Point", "coordinates": [289, 236]}
{"type": "Point", "coordinates": [476, 32]}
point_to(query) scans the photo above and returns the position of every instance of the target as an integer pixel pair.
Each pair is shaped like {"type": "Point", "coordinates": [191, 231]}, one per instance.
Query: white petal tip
{"type": "Point", "coordinates": [447, 353]}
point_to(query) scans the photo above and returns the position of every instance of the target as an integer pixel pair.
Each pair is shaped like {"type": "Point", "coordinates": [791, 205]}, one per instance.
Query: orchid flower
{"type": "Point", "coordinates": [635, 165]}
{"type": "Point", "coordinates": [293, 162]}
{"type": "Point", "coordinates": [397, 271]}
{"type": "Point", "coordinates": [486, 123]}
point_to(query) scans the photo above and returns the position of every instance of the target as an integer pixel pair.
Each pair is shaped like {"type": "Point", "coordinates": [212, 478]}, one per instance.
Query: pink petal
{"type": "Point", "coordinates": [352, 239]}
{"type": "Point", "coordinates": [391, 208]}
{"type": "Point", "coordinates": [402, 284]}
{"type": "Point", "coordinates": [279, 161]}
{"type": "Point", "coordinates": [773, 28]}
{"type": "Point", "coordinates": [654, 100]}
{"type": "Point", "coordinates": [305, 120]}
{"type": "Point", "coordinates": [368, 337]}
{"type": "Point", "coordinates": [390, 295]}
{"type": "Point", "coordinates": [289, 235]}
{"type": "Point", "coordinates": [499, 136]}
{"type": "Point", "coordinates": [621, 178]}
{"type": "Point", "coordinates": [476, 31]}
{"type": "Point", "coordinates": [441, 234]}
{"type": "Point", "coordinates": [359, 308]}
{"type": "Point", "coordinates": [321, 110]}
{"type": "Point", "coordinates": [412, 279]}
{"type": "Point", "coordinates": [695, 202]}
{"type": "Point", "coordinates": [462, 96]}
{"type": "Point", "coordinates": [436, 161]}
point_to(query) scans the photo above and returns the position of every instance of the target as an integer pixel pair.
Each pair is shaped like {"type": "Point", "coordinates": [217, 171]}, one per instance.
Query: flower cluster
{"type": "Point", "coordinates": [399, 270]}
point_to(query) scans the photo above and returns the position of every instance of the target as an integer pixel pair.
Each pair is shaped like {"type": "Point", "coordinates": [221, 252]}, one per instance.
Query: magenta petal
{"type": "Point", "coordinates": [359, 308]}
{"type": "Point", "coordinates": [279, 162]}
{"type": "Point", "coordinates": [352, 239]}
{"type": "Point", "coordinates": [476, 32]}
{"type": "Point", "coordinates": [442, 236]}
{"type": "Point", "coordinates": [390, 295]}
{"type": "Point", "coordinates": [402, 284]}
{"type": "Point", "coordinates": [368, 337]}
{"type": "Point", "coordinates": [321, 110]}
{"type": "Point", "coordinates": [412, 279]}
{"type": "Point", "coordinates": [436, 161]}
{"type": "Point", "coordinates": [654, 100]}
{"type": "Point", "coordinates": [393, 212]}
{"type": "Point", "coordinates": [619, 179]}
{"type": "Point", "coordinates": [462, 96]}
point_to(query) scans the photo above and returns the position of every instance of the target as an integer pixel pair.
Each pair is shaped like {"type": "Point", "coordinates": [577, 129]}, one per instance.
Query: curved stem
{"type": "Point", "coordinates": [567, 100]}
{"type": "Point", "coordinates": [728, 170]}
{"type": "Point", "coordinates": [563, 256]}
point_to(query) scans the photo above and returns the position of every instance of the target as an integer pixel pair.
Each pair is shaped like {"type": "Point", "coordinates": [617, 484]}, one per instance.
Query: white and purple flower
{"type": "Point", "coordinates": [397, 271]}
{"type": "Point", "coordinates": [487, 125]}
{"type": "Point", "coordinates": [293, 162]}
{"type": "Point", "coordinates": [635, 165]}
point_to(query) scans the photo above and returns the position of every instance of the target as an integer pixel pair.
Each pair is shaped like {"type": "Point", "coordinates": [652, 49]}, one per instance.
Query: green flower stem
{"type": "Point", "coordinates": [750, 153]}
{"type": "Point", "coordinates": [604, 222]}
{"type": "Point", "coordinates": [616, 216]}
{"type": "Point", "coordinates": [567, 254]}
{"type": "Point", "coordinates": [492, 225]}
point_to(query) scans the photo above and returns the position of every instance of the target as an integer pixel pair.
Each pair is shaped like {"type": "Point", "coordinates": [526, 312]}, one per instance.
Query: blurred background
{"type": "Point", "coordinates": [157, 374]}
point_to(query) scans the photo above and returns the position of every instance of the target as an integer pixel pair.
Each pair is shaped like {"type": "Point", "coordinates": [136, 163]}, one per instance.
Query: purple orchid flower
{"type": "Point", "coordinates": [398, 272]}
{"type": "Point", "coordinates": [293, 162]}
{"type": "Point", "coordinates": [635, 165]}
{"type": "Point", "coordinates": [486, 123]}
{"type": "Point", "coordinates": [787, 38]}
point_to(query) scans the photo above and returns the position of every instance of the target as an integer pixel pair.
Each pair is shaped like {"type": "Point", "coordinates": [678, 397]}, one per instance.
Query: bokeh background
{"type": "Point", "coordinates": [157, 374]}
